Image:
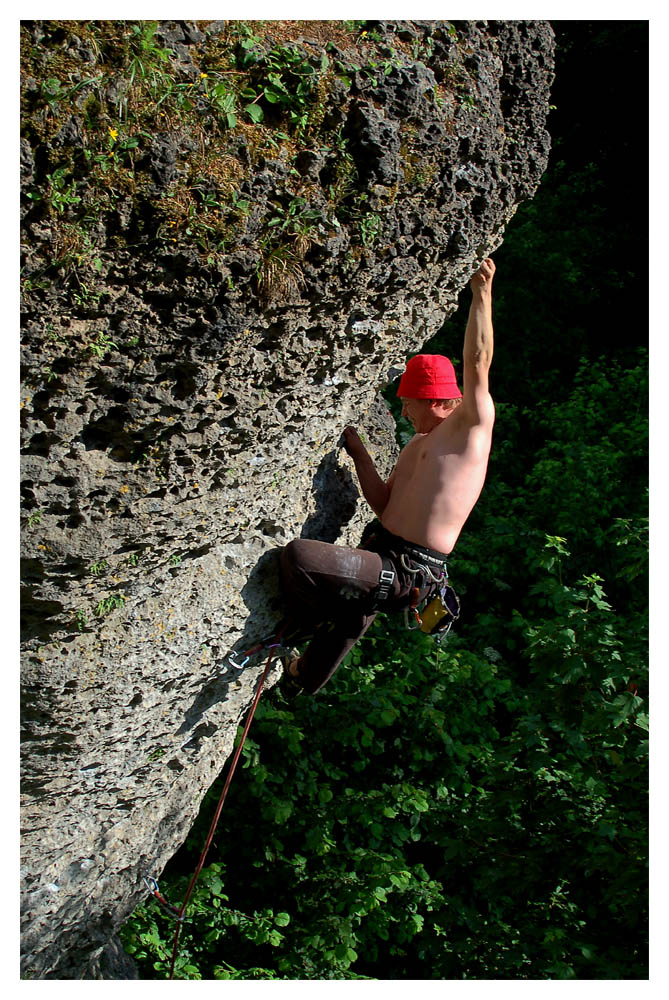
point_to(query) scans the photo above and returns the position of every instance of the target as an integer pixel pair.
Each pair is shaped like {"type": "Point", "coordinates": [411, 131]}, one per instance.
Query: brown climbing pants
{"type": "Point", "coordinates": [334, 586]}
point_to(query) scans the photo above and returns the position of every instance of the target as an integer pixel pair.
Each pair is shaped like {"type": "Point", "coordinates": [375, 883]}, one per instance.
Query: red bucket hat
{"type": "Point", "coordinates": [429, 376]}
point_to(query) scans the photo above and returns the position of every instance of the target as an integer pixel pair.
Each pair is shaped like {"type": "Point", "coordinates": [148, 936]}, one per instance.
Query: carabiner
{"type": "Point", "coordinates": [153, 887]}
{"type": "Point", "coordinates": [151, 884]}
{"type": "Point", "coordinates": [238, 666]}
{"type": "Point", "coordinates": [412, 628]}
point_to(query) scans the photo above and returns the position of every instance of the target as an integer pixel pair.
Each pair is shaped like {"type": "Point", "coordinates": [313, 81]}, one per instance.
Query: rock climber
{"type": "Point", "coordinates": [420, 509]}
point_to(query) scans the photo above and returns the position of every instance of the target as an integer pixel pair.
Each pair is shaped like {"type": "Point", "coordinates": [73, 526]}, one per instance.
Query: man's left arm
{"type": "Point", "coordinates": [478, 347]}
{"type": "Point", "coordinates": [375, 491]}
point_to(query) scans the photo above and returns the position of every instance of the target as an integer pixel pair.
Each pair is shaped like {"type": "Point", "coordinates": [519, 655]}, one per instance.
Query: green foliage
{"type": "Point", "coordinates": [282, 78]}
{"type": "Point", "coordinates": [60, 193]}
{"type": "Point", "coordinates": [147, 59]}
{"type": "Point", "coordinates": [370, 228]}
{"type": "Point", "coordinates": [594, 455]}
{"type": "Point", "coordinates": [109, 604]}
{"type": "Point", "coordinates": [435, 817]}
{"type": "Point", "coordinates": [272, 96]}
{"type": "Point", "coordinates": [210, 922]}
{"type": "Point", "coordinates": [102, 345]}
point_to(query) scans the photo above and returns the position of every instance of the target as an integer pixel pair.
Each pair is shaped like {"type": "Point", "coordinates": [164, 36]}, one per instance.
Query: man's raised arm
{"type": "Point", "coordinates": [478, 349]}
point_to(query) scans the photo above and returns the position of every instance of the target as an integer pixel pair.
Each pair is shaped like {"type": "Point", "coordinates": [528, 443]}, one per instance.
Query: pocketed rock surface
{"type": "Point", "coordinates": [182, 414]}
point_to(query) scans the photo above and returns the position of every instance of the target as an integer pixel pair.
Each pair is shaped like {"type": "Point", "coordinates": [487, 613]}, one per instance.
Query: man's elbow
{"type": "Point", "coordinates": [479, 360]}
{"type": "Point", "coordinates": [379, 501]}
{"type": "Point", "coordinates": [378, 506]}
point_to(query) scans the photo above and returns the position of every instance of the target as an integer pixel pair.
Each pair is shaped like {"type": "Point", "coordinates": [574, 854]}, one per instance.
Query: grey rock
{"type": "Point", "coordinates": [375, 143]}
{"type": "Point", "coordinates": [164, 160]}
{"type": "Point", "coordinates": [27, 161]}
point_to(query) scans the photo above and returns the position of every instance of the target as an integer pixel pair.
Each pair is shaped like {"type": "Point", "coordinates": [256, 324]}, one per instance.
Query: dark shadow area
{"type": "Point", "coordinates": [38, 619]}
{"type": "Point", "coordinates": [336, 497]}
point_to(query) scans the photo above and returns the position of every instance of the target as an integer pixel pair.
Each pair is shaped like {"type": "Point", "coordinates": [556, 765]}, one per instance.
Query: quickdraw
{"type": "Point", "coordinates": [152, 885]}
{"type": "Point", "coordinates": [247, 654]}
{"type": "Point", "coordinates": [413, 607]}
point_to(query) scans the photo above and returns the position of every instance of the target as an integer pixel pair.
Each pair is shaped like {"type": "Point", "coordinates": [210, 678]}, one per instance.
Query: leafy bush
{"type": "Point", "coordinates": [431, 817]}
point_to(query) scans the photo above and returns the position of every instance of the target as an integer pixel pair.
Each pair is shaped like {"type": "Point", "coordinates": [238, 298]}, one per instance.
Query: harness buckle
{"type": "Point", "coordinates": [386, 581]}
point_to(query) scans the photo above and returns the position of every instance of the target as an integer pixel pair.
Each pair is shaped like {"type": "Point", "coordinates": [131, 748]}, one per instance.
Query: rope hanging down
{"type": "Point", "coordinates": [151, 883]}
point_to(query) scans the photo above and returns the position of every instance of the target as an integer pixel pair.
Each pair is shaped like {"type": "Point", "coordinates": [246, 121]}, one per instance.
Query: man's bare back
{"type": "Point", "coordinates": [436, 482]}
{"type": "Point", "coordinates": [440, 473]}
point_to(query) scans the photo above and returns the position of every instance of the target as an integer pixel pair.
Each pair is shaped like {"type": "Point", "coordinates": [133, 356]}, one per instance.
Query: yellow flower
{"type": "Point", "coordinates": [203, 76]}
{"type": "Point", "coordinates": [113, 133]}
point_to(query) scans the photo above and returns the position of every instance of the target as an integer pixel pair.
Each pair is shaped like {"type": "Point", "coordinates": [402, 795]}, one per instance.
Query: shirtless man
{"type": "Point", "coordinates": [440, 473]}
{"type": "Point", "coordinates": [422, 507]}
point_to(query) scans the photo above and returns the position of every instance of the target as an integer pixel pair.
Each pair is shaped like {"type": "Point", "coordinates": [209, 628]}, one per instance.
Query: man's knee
{"type": "Point", "coordinates": [290, 554]}
{"type": "Point", "coordinates": [298, 560]}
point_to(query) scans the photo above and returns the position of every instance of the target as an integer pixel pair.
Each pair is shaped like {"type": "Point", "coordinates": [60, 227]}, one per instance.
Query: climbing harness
{"type": "Point", "coordinates": [149, 880]}
{"type": "Point", "coordinates": [438, 613]}
{"type": "Point", "coordinates": [434, 615]}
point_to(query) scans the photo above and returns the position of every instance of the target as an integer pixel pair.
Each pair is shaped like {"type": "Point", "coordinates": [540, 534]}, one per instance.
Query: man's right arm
{"type": "Point", "coordinates": [375, 491]}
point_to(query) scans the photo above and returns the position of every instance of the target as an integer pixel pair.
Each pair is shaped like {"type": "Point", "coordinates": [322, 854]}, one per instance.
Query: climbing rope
{"type": "Point", "coordinates": [149, 881]}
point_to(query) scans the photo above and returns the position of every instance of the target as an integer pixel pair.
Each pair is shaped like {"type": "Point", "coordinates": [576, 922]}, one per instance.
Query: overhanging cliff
{"type": "Point", "coordinates": [232, 233]}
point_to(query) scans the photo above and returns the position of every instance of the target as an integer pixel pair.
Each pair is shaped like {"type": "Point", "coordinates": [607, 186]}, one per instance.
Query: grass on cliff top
{"type": "Point", "coordinates": [99, 97]}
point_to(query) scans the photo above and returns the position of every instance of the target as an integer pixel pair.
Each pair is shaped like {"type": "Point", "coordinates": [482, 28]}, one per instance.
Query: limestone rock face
{"type": "Point", "coordinates": [182, 408]}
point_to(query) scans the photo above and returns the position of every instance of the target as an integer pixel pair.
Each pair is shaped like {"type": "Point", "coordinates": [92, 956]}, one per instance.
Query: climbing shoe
{"type": "Point", "coordinates": [290, 684]}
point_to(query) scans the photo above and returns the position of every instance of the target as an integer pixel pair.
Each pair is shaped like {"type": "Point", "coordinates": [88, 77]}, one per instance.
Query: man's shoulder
{"type": "Point", "coordinates": [412, 443]}
{"type": "Point", "coordinates": [406, 455]}
{"type": "Point", "coordinates": [465, 422]}
{"type": "Point", "coordinates": [477, 411]}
